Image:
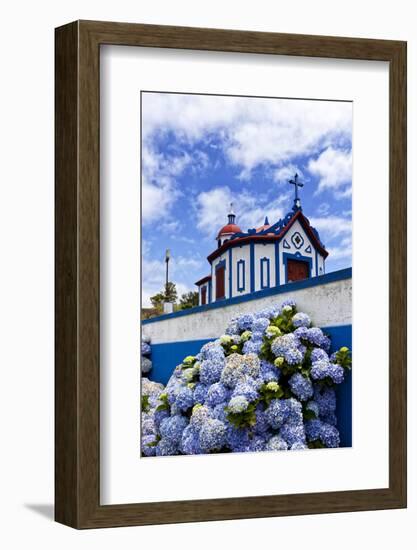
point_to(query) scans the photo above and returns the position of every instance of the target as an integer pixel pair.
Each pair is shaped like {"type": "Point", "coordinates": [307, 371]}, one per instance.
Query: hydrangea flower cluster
{"type": "Point", "coordinates": [149, 402]}
{"type": "Point", "coordinates": [145, 351]}
{"type": "Point", "coordinates": [267, 384]}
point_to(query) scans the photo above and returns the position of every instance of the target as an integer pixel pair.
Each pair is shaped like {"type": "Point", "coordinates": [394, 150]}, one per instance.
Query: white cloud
{"type": "Point", "coordinates": [336, 234]}
{"type": "Point", "coordinates": [183, 239]}
{"type": "Point", "coordinates": [171, 226]}
{"type": "Point", "coordinates": [286, 172]}
{"type": "Point", "coordinates": [158, 183]}
{"type": "Point", "coordinates": [323, 209]}
{"type": "Point", "coordinates": [342, 251]}
{"type": "Point", "coordinates": [334, 169]}
{"type": "Point", "coordinates": [331, 227]}
{"type": "Point", "coordinates": [212, 208]}
{"type": "Point", "coordinates": [252, 131]}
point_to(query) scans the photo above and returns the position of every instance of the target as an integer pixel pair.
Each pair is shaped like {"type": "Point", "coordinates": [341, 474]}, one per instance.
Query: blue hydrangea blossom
{"type": "Point", "coordinates": [266, 384]}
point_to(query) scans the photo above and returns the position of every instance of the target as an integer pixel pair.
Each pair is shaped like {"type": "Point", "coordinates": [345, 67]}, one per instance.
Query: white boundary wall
{"type": "Point", "coordinates": [328, 304]}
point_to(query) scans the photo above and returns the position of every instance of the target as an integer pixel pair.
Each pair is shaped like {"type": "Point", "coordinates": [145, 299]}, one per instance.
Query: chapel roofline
{"type": "Point", "coordinates": [268, 235]}
{"type": "Point", "coordinates": [205, 279]}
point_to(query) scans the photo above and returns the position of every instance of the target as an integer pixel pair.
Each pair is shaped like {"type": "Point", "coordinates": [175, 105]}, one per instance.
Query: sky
{"type": "Point", "coordinates": [202, 152]}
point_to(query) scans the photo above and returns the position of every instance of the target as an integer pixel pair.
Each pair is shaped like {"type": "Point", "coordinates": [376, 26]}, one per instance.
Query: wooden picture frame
{"type": "Point", "coordinates": [77, 404]}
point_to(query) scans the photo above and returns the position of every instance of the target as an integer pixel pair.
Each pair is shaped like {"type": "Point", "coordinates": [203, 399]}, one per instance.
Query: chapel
{"type": "Point", "coordinates": [260, 258]}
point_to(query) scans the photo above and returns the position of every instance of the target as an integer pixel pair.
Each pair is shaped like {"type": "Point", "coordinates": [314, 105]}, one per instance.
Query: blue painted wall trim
{"type": "Point", "coordinates": [230, 273]}
{"type": "Point", "coordinates": [241, 275]}
{"type": "Point", "coordinates": [342, 336]}
{"type": "Point", "coordinates": [340, 275]}
{"type": "Point", "coordinates": [165, 357]}
{"type": "Point", "coordinates": [277, 270]}
{"type": "Point", "coordinates": [252, 267]}
{"type": "Point", "coordinates": [265, 270]}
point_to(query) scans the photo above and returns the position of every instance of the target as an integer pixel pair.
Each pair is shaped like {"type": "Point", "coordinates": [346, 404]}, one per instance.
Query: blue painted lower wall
{"type": "Point", "coordinates": [342, 336]}
{"type": "Point", "coordinates": [165, 357]}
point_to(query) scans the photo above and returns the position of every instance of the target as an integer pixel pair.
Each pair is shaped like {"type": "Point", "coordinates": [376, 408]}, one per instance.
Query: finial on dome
{"type": "Point", "coordinates": [231, 215]}
{"type": "Point", "coordinates": [266, 222]}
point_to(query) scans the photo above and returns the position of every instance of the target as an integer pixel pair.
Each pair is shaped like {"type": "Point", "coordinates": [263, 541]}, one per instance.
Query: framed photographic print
{"type": "Point", "coordinates": [230, 274]}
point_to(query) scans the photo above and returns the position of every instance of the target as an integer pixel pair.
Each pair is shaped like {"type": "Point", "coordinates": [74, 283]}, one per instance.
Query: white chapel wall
{"type": "Point", "coordinates": [292, 250]}
{"type": "Point", "coordinates": [264, 251]}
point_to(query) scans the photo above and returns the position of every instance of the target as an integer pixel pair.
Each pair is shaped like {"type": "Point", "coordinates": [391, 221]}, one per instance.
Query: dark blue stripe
{"type": "Point", "coordinates": [230, 272]}
{"type": "Point", "coordinates": [340, 275]}
{"type": "Point", "coordinates": [277, 268]}
{"type": "Point", "coordinates": [252, 267]}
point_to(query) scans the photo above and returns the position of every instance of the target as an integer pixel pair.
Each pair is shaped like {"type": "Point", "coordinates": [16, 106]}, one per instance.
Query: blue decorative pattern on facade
{"type": "Point", "coordinates": [277, 265]}
{"type": "Point", "coordinates": [265, 273]}
{"type": "Point", "coordinates": [241, 275]}
{"type": "Point", "coordinates": [297, 240]}
{"type": "Point", "coordinates": [252, 267]}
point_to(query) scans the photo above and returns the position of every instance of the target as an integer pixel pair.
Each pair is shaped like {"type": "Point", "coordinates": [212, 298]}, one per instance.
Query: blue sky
{"type": "Point", "coordinates": [199, 153]}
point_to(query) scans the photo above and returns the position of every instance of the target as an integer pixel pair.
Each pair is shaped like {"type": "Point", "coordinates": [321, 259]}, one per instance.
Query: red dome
{"type": "Point", "coordinates": [228, 229]}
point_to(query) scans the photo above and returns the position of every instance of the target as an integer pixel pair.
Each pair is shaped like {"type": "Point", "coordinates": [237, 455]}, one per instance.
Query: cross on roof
{"type": "Point", "coordinates": [296, 184]}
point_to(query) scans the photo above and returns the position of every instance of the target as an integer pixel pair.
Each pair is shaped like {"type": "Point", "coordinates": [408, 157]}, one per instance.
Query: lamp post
{"type": "Point", "coordinates": [168, 307]}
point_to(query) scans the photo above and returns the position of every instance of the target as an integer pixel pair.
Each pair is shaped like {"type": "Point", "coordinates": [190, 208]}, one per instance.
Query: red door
{"type": "Point", "coordinates": [219, 283]}
{"type": "Point", "coordinates": [296, 270]}
{"type": "Point", "coordinates": [204, 296]}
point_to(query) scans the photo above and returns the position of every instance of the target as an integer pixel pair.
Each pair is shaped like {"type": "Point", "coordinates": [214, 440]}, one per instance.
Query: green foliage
{"type": "Point", "coordinates": [288, 370]}
{"type": "Point", "coordinates": [270, 391]}
{"type": "Point", "coordinates": [155, 442]}
{"type": "Point", "coordinates": [244, 419]}
{"type": "Point", "coordinates": [226, 340]}
{"type": "Point", "coordinates": [245, 336]}
{"type": "Point", "coordinates": [164, 405]}
{"type": "Point", "coordinates": [157, 300]}
{"type": "Point", "coordinates": [191, 370]}
{"type": "Point", "coordinates": [344, 358]}
{"type": "Point", "coordinates": [284, 320]}
{"type": "Point", "coordinates": [168, 294]}
{"type": "Point", "coordinates": [188, 361]}
{"type": "Point", "coordinates": [229, 346]}
{"type": "Point", "coordinates": [189, 300]}
{"type": "Point", "coordinates": [274, 331]}
{"type": "Point", "coordinates": [308, 414]}
{"type": "Point", "coordinates": [278, 326]}
{"type": "Point", "coordinates": [265, 352]}
{"type": "Point", "coordinates": [317, 444]}
{"type": "Point", "coordinates": [145, 403]}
